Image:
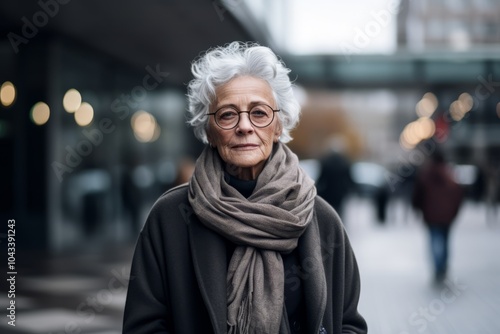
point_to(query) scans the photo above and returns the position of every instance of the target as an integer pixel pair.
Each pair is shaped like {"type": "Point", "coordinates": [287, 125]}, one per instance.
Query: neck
{"type": "Point", "coordinates": [245, 173]}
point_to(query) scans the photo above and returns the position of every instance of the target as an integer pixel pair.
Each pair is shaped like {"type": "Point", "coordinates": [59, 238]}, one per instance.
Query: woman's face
{"type": "Point", "coordinates": [244, 148]}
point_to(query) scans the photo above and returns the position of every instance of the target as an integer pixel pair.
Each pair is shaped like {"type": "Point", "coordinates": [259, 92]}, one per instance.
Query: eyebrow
{"type": "Point", "coordinates": [232, 105]}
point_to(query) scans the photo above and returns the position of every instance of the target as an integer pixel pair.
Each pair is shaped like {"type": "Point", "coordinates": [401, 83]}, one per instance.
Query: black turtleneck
{"type": "Point", "coordinates": [245, 187]}
{"type": "Point", "coordinates": [292, 267]}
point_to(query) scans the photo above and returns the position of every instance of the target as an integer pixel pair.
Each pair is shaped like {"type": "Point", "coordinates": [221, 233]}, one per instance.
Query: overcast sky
{"type": "Point", "coordinates": [326, 26]}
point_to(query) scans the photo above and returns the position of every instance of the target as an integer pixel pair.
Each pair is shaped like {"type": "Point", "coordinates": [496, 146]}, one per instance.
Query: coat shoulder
{"type": "Point", "coordinates": [328, 218]}
{"type": "Point", "coordinates": [172, 198]}
{"type": "Point", "coordinates": [170, 211]}
{"type": "Point", "coordinates": [325, 211]}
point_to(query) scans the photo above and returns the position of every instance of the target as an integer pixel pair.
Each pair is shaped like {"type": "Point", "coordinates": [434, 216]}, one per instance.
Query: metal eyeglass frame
{"type": "Point", "coordinates": [244, 112]}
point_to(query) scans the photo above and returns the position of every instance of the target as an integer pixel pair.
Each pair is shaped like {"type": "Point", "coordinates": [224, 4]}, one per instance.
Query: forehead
{"type": "Point", "coordinates": [244, 90]}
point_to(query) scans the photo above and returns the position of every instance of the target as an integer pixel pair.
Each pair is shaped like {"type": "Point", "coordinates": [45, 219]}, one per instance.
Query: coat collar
{"type": "Point", "coordinates": [210, 265]}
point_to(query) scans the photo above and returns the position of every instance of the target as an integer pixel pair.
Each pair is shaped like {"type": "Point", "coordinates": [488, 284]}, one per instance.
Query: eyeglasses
{"type": "Point", "coordinates": [228, 117]}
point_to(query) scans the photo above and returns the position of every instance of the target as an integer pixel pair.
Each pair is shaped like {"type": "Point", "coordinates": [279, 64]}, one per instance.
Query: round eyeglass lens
{"type": "Point", "coordinates": [260, 116]}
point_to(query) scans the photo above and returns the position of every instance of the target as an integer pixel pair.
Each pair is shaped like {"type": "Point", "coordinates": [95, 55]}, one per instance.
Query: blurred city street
{"type": "Point", "coordinates": [85, 293]}
{"type": "Point", "coordinates": [397, 99]}
{"type": "Point", "coordinates": [72, 293]}
{"type": "Point", "coordinates": [398, 293]}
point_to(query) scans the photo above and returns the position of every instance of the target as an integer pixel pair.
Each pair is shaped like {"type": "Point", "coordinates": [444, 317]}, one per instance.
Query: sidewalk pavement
{"type": "Point", "coordinates": [71, 293]}
{"type": "Point", "coordinates": [398, 295]}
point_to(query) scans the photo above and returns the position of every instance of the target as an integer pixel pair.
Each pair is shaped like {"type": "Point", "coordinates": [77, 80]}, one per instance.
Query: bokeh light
{"type": "Point", "coordinates": [459, 108]}
{"type": "Point", "coordinates": [409, 138]}
{"type": "Point", "coordinates": [427, 105]}
{"type": "Point", "coordinates": [72, 100]}
{"type": "Point", "coordinates": [426, 128]}
{"type": "Point", "coordinates": [7, 93]}
{"type": "Point", "coordinates": [145, 127]}
{"type": "Point", "coordinates": [40, 113]}
{"type": "Point", "coordinates": [414, 132]}
{"type": "Point", "coordinates": [467, 101]}
{"type": "Point", "coordinates": [84, 115]}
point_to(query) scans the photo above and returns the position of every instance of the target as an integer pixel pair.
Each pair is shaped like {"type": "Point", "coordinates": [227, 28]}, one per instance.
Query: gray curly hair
{"type": "Point", "coordinates": [221, 64]}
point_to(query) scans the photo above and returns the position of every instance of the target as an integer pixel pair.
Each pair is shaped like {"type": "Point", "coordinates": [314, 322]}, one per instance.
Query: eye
{"type": "Point", "coordinates": [227, 114]}
{"type": "Point", "coordinates": [259, 112]}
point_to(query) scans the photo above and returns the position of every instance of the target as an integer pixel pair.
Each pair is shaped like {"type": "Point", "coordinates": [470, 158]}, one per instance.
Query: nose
{"type": "Point", "coordinates": [244, 125]}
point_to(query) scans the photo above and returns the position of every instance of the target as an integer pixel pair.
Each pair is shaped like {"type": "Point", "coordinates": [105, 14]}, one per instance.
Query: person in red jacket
{"type": "Point", "coordinates": [438, 197]}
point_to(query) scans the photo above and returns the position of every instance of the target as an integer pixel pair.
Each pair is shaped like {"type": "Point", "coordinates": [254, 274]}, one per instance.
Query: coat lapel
{"type": "Point", "coordinates": [210, 264]}
{"type": "Point", "coordinates": [315, 291]}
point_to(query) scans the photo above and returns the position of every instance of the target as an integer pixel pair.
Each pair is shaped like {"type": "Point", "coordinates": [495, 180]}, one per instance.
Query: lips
{"type": "Point", "coordinates": [245, 146]}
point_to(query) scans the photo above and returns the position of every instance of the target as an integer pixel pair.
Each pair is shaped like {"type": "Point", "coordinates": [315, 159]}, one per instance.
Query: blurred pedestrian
{"type": "Point", "coordinates": [334, 182]}
{"type": "Point", "coordinates": [132, 199]}
{"type": "Point", "coordinates": [246, 246]}
{"type": "Point", "coordinates": [492, 197]}
{"type": "Point", "coordinates": [438, 196]}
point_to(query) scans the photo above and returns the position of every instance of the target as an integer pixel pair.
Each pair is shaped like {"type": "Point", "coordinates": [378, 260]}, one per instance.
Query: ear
{"type": "Point", "coordinates": [277, 132]}
{"type": "Point", "coordinates": [210, 138]}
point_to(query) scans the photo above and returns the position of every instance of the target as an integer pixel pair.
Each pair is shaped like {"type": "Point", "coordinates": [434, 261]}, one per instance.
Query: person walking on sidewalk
{"type": "Point", "coordinates": [438, 197]}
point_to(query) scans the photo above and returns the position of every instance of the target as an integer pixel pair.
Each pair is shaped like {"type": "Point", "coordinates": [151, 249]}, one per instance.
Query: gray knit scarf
{"type": "Point", "coordinates": [263, 227]}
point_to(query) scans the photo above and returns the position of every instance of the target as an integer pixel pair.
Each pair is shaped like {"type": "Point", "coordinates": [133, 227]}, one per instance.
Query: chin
{"type": "Point", "coordinates": [245, 164]}
{"type": "Point", "coordinates": [245, 161]}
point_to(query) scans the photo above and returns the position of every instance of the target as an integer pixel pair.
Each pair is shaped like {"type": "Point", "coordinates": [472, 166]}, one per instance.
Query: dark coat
{"type": "Point", "coordinates": [437, 195]}
{"type": "Point", "coordinates": [178, 274]}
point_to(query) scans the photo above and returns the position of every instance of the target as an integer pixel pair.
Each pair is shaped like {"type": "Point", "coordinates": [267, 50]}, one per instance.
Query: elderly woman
{"type": "Point", "coordinates": [246, 246]}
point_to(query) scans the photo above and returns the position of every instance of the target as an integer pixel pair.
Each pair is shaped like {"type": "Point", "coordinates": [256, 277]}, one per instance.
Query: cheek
{"type": "Point", "coordinates": [218, 138]}
{"type": "Point", "coordinates": [212, 135]}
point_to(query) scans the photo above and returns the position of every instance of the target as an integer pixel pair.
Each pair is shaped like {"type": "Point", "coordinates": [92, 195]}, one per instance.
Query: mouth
{"type": "Point", "coordinates": [245, 146]}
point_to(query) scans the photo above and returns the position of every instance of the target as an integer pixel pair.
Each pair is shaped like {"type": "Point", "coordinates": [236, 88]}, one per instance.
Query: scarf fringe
{"type": "Point", "coordinates": [242, 325]}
